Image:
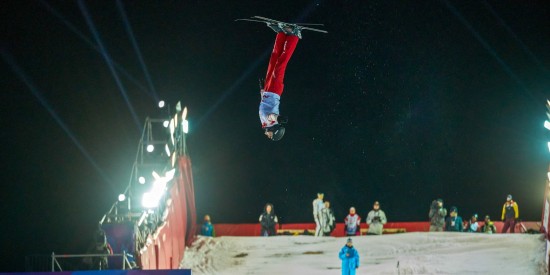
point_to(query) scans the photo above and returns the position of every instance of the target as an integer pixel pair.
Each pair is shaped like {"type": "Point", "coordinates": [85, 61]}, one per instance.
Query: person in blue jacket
{"type": "Point", "coordinates": [207, 229]}
{"type": "Point", "coordinates": [350, 258]}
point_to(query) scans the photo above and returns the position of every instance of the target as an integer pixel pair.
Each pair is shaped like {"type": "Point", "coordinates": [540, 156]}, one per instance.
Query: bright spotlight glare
{"type": "Point", "coordinates": [161, 104]}
{"type": "Point", "coordinates": [166, 123]}
{"type": "Point", "coordinates": [547, 124]}
{"type": "Point", "coordinates": [549, 146]}
{"type": "Point", "coordinates": [141, 180]}
{"type": "Point", "coordinates": [149, 200]}
{"type": "Point", "coordinates": [121, 197]}
{"type": "Point", "coordinates": [150, 148]}
{"type": "Point", "coordinates": [185, 125]}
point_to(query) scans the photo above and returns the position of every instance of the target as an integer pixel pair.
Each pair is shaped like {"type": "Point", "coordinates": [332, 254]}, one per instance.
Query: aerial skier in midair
{"type": "Point", "coordinates": [271, 90]}
{"type": "Point", "coordinates": [285, 44]}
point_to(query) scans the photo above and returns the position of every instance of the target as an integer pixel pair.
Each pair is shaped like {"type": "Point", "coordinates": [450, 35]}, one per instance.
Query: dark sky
{"type": "Point", "coordinates": [399, 102]}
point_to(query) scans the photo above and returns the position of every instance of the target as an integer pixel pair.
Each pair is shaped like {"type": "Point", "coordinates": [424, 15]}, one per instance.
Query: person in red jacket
{"type": "Point", "coordinates": [285, 43]}
{"type": "Point", "coordinates": [510, 213]}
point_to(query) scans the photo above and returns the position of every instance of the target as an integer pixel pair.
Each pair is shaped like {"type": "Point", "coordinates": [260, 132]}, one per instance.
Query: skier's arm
{"type": "Point", "coordinates": [516, 209]}
{"type": "Point", "coordinates": [383, 219]}
{"type": "Point", "coordinates": [503, 211]}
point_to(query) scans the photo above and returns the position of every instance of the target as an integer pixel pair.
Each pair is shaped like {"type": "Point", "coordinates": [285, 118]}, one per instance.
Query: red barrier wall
{"type": "Point", "coordinates": [165, 248]}
{"type": "Point", "coordinates": [249, 229]}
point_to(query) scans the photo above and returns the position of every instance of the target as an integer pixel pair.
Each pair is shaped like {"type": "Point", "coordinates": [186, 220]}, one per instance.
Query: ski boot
{"type": "Point", "coordinates": [291, 29]}
{"type": "Point", "coordinates": [275, 27]}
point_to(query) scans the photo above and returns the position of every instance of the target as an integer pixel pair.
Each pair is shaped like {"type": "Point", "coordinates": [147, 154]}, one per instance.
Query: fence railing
{"type": "Point", "coordinates": [55, 263]}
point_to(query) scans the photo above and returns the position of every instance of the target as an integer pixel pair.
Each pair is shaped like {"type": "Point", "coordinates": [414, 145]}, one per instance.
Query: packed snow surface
{"type": "Point", "coordinates": [408, 253]}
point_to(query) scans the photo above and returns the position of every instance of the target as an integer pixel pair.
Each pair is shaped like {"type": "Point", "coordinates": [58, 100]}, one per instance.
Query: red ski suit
{"type": "Point", "coordinates": [282, 51]}
{"type": "Point", "coordinates": [273, 88]}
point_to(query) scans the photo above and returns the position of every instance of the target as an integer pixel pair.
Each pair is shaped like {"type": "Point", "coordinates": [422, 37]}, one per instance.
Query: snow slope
{"type": "Point", "coordinates": [416, 253]}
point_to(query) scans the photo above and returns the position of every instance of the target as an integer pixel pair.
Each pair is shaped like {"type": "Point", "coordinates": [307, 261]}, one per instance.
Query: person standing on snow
{"type": "Point", "coordinates": [285, 44]}
{"type": "Point", "coordinates": [328, 221]}
{"type": "Point", "coordinates": [510, 214]}
{"type": "Point", "coordinates": [352, 223]}
{"type": "Point", "coordinates": [473, 225]}
{"type": "Point", "coordinates": [376, 220]}
{"type": "Point", "coordinates": [268, 220]}
{"type": "Point", "coordinates": [437, 216]}
{"type": "Point", "coordinates": [207, 229]}
{"type": "Point", "coordinates": [350, 258]}
{"type": "Point", "coordinates": [454, 221]}
{"type": "Point", "coordinates": [489, 227]}
{"type": "Point", "coordinates": [318, 205]}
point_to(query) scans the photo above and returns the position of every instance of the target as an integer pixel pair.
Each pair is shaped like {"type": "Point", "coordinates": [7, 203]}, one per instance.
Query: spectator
{"type": "Point", "coordinates": [328, 221]}
{"type": "Point", "coordinates": [454, 221]}
{"type": "Point", "coordinates": [207, 229]}
{"type": "Point", "coordinates": [376, 220]}
{"type": "Point", "coordinates": [510, 214]}
{"type": "Point", "coordinates": [489, 227]}
{"type": "Point", "coordinates": [437, 215]}
{"type": "Point", "coordinates": [472, 225]}
{"type": "Point", "coordinates": [350, 258]}
{"type": "Point", "coordinates": [268, 220]}
{"type": "Point", "coordinates": [352, 223]}
{"type": "Point", "coordinates": [317, 207]}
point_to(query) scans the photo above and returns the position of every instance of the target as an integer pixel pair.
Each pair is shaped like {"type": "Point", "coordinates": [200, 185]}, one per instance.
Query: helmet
{"type": "Point", "coordinates": [277, 130]}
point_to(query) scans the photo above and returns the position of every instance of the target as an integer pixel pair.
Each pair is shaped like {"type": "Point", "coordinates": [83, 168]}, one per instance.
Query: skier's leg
{"type": "Point", "coordinates": [276, 84]}
{"type": "Point", "coordinates": [277, 51]}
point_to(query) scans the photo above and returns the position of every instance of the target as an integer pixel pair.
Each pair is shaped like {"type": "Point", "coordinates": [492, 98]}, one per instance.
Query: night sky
{"type": "Point", "coordinates": [400, 102]}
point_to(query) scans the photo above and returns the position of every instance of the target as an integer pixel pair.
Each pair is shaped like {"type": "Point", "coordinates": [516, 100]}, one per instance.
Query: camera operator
{"type": "Point", "coordinates": [376, 220]}
{"type": "Point", "coordinates": [437, 216]}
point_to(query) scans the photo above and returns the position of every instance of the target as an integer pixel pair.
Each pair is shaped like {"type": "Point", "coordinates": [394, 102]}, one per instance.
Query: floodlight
{"type": "Point", "coordinates": [141, 180]}
{"type": "Point", "coordinates": [161, 104]}
{"type": "Point", "coordinates": [549, 146]}
{"type": "Point", "coordinates": [547, 124]}
{"type": "Point", "coordinates": [167, 150]}
{"type": "Point", "coordinates": [166, 123]}
{"type": "Point", "coordinates": [174, 159]}
{"type": "Point", "coordinates": [548, 176]}
{"type": "Point", "coordinates": [184, 113]}
{"type": "Point", "coordinates": [150, 148]}
{"type": "Point", "coordinates": [172, 130]}
{"type": "Point", "coordinates": [121, 197]}
{"type": "Point", "coordinates": [185, 125]}
{"type": "Point", "coordinates": [169, 175]}
{"type": "Point", "coordinates": [148, 200]}
{"type": "Point", "coordinates": [156, 175]}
